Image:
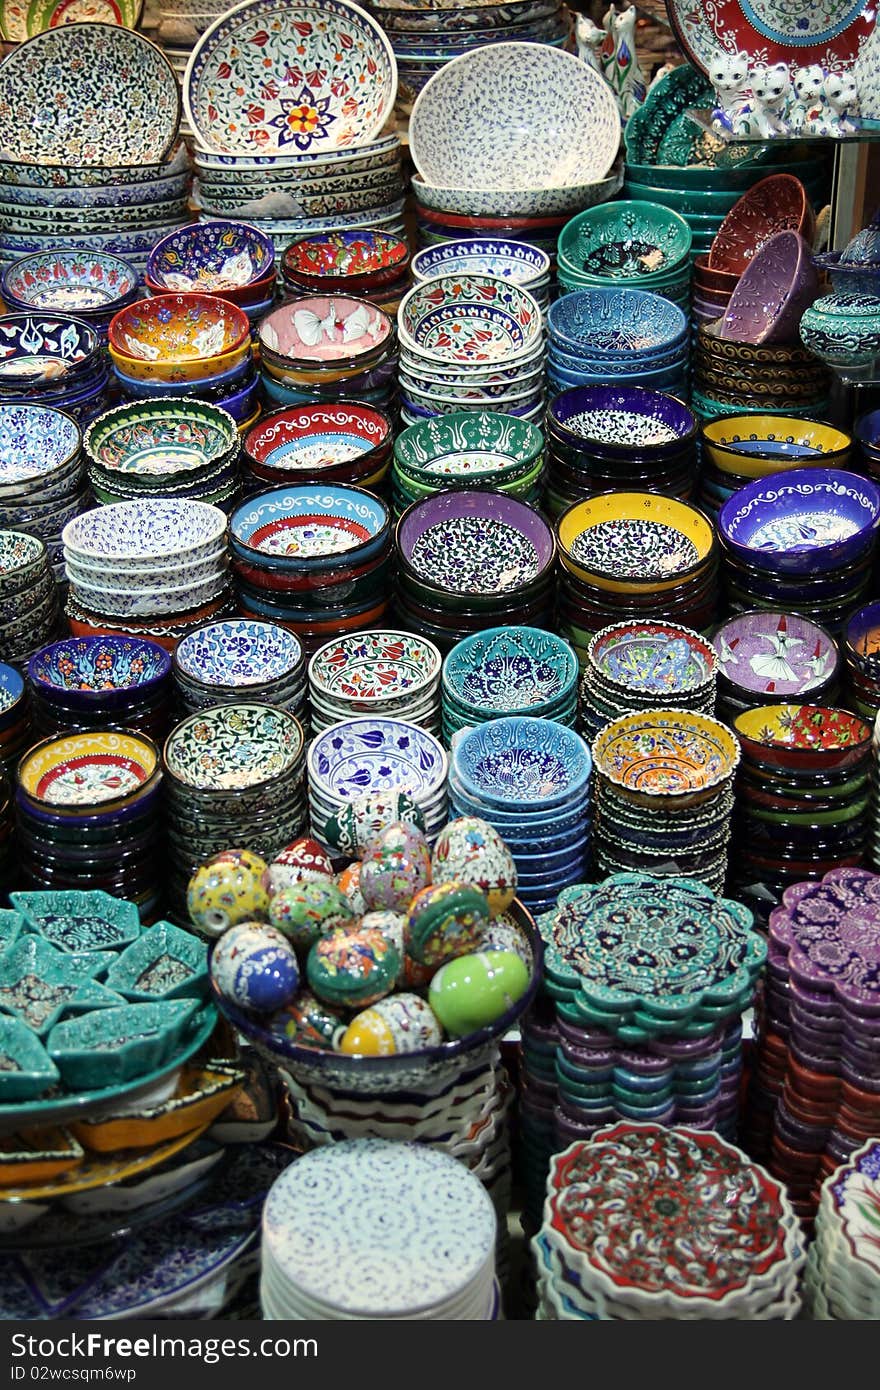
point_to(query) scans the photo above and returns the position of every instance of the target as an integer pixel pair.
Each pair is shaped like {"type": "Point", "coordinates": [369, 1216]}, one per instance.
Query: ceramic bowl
{"type": "Point", "coordinates": [800, 738]}
{"type": "Point", "coordinates": [177, 336]}
{"type": "Point", "coordinates": [36, 443]}
{"type": "Point", "coordinates": [624, 240]}
{"type": "Point", "coordinates": [111, 1046]}
{"type": "Point", "coordinates": [298, 528]}
{"type": "Point", "coordinates": [100, 672]}
{"type": "Point", "coordinates": [164, 963]}
{"type": "Point", "coordinates": [326, 332]}
{"type": "Point", "coordinates": [843, 329]}
{"type": "Point", "coordinates": [801, 522]}
{"type": "Point", "coordinates": [523, 146]}
{"type": "Point", "coordinates": [619, 422]}
{"type": "Point", "coordinates": [26, 1070]}
{"type": "Point", "coordinates": [657, 660]}
{"type": "Point", "coordinates": [319, 440]}
{"type": "Point", "coordinates": [211, 258]}
{"type": "Point", "coordinates": [470, 320]}
{"type": "Point", "coordinates": [777, 203]}
{"type": "Point", "coordinates": [609, 323]}
{"type": "Point", "coordinates": [753, 445]}
{"type": "Point", "coordinates": [238, 653]}
{"type": "Point", "coordinates": [89, 283]}
{"type": "Point", "coordinates": [155, 532]}
{"type": "Point", "coordinates": [666, 753]}
{"type": "Point", "coordinates": [375, 669]}
{"type": "Point", "coordinates": [474, 543]}
{"type": "Point", "coordinates": [156, 439]}
{"type": "Point", "coordinates": [623, 541]}
{"type": "Point", "coordinates": [40, 350]}
{"type": "Point", "coordinates": [356, 755]}
{"type": "Point", "coordinates": [508, 260]}
{"type": "Point", "coordinates": [519, 762]}
{"type": "Point", "coordinates": [499, 204]}
{"type": "Point", "coordinates": [778, 284]}
{"type": "Point", "coordinates": [234, 747]}
{"type": "Point", "coordinates": [354, 262]}
{"type": "Point", "coordinates": [467, 444]}
{"type": "Point", "coordinates": [72, 772]}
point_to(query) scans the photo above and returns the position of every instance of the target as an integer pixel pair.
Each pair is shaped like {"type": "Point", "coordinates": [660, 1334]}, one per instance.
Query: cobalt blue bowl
{"type": "Point", "coordinates": [802, 522]}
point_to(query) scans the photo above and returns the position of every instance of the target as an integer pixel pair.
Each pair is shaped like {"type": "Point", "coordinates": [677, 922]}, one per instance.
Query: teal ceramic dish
{"type": "Point", "coordinates": [705, 201]}
{"type": "Point", "coordinates": [164, 963]}
{"type": "Point", "coordinates": [843, 329]}
{"type": "Point", "coordinates": [112, 1046]}
{"type": "Point", "coordinates": [11, 927]}
{"type": "Point", "coordinates": [26, 1070]}
{"type": "Point", "coordinates": [38, 984]}
{"type": "Point", "coordinates": [79, 921]}
{"type": "Point", "coordinates": [627, 241]}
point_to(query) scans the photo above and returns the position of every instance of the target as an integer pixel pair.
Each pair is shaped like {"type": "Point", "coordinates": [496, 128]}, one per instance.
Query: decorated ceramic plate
{"type": "Point", "coordinates": [234, 746]}
{"type": "Point", "coordinates": [780, 655]}
{"type": "Point", "coordinates": [268, 78]}
{"type": "Point", "coordinates": [666, 753]}
{"type": "Point", "coordinates": [377, 755]}
{"type": "Point", "coordinates": [375, 666]}
{"type": "Point", "coordinates": [772, 31]}
{"type": "Point", "coordinates": [49, 14]}
{"type": "Point", "coordinates": [120, 102]}
{"type": "Point", "coordinates": [474, 542]}
{"type": "Point", "coordinates": [99, 1170]}
{"type": "Point", "coordinates": [88, 769]}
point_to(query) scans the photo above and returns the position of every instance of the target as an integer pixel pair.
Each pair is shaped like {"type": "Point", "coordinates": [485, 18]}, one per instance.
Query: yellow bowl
{"type": "Point", "coordinates": [202, 1093]}
{"type": "Point", "coordinates": [666, 753]}
{"type": "Point", "coordinates": [175, 373]}
{"type": "Point", "coordinates": [178, 337]}
{"type": "Point", "coordinates": [666, 541]}
{"type": "Point", "coordinates": [75, 772]}
{"type": "Point", "coordinates": [787, 443]}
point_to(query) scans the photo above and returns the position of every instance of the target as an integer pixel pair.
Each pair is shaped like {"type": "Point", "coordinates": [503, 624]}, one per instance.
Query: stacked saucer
{"type": "Point", "coordinates": [464, 336]}
{"type": "Point", "coordinates": [815, 1095]}
{"type": "Point", "coordinates": [328, 349]}
{"type": "Point", "coordinates": [88, 816]}
{"type": "Point", "coordinates": [371, 265]}
{"type": "Point", "coordinates": [234, 776]}
{"type": "Point", "coordinates": [621, 1208]}
{"type": "Point", "coordinates": [859, 645]}
{"type": "Point", "coordinates": [479, 448]}
{"type": "Point", "coordinates": [664, 795]}
{"type": "Point", "coordinates": [316, 559]}
{"type": "Point", "coordinates": [765, 655]}
{"type": "Point", "coordinates": [346, 443]}
{"type": "Point", "coordinates": [634, 555]}
{"type": "Point", "coordinates": [842, 1278]}
{"type": "Point", "coordinates": [508, 671]}
{"type": "Point", "coordinates": [15, 721]}
{"type": "Point", "coordinates": [228, 259]}
{"type": "Point", "coordinates": [29, 614]}
{"type": "Point", "coordinates": [164, 448]}
{"type": "Point", "coordinates": [359, 756]}
{"type": "Point", "coordinates": [803, 793]}
{"type": "Point", "coordinates": [627, 337]}
{"type": "Point", "coordinates": [53, 359]}
{"type": "Point", "coordinates": [467, 560]}
{"type": "Point", "coordinates": [236, 659]}
{"type": "Point", "coordinates": [618, 437]}
{"type": "Point", "coordinates": [736, 449]}
{"type": "Point", "coordinates": [99, 683]}
{"type": "Point", "coordinates": [640, 665]}
{"type": "Point", "coordinates": [151, 568]}
{"type": "Point", "coordinates": [637, 244]}
{"type": "Point", "coordinates": [91, 284]}
{"type": "Point", "coordinates": [42, 478]}
{"type": "Point", "coordinates": [517, 261]}
{"type": "Point", "coordinates": [529, 778]}
{"type": "Point", "coordinates": [380, 672]}
{"type": "Point", "coordinates": [430, 1256]}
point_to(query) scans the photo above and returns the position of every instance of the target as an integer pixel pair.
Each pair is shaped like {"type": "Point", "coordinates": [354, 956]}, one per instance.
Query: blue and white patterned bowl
{"type": "Point", "coordinates": [519, 202]}
{"type": "Point", "coordinates": [620, 421]}
{"type": "Point", "coordinates": [36, 441]}
{"type": "Point", "coordinates": [522, 763]}
{"type": "Point", "coordinates": [509, 260]}
{"type": "Point", "coordinates": [614, 323]}
{"type": "Point", "coordinates": [359, 756]}
{"type": "Point", "coordinates": [510, 670]}
{"type": "Point", "coordinates": [88, 672]}
{"type": "Point", "coordinates": [137, 535]}
{"type": "Point", "coordinates": [803, 521]}
{"type": "Point", "coordinates": [212, 257]}
{"type": "Point", "coordinates": [37, 347]}
{"type": "Point", "coordinates": [310, 527]}
{"type": "Point", "coordinates": [90, 284]}
{"type": "Point", "coordinates": [239, 653]}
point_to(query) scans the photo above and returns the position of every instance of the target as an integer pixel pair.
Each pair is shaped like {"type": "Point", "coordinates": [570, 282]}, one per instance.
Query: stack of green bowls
{"type": "Point", "coordinates": [468, 448]}
{"type": "Point", "coordinates": [633, 242]}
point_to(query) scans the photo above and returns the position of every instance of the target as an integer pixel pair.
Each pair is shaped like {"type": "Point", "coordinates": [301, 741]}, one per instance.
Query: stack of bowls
{"type": "Point", "coordinates": [860, 643]}
{"type": "Point", "coordinates": [508, 671]}
{"type": "Point", "coordinates": [640, 665]}
{"type": "Point", "coordinates": [467, 560]}
{"type": "Point", "coordinates": [88, 816]}
{"type": "Point", "coordinates": [368, 265]}
{"type": "Point", "coordinates": [755, 379]}
{"type": "Point", "coordinates": [530, 779]}
{"type": "Point", "coordinates": [233, 776]}
{"type": "Point", "coordinates": [735, 449]}
{"type": "Point", "coordinates": [664, 795]}
{"type": "Point", "coordinates": [42, 478]}
{"type": "Point", "coordinates": [633, 555]}
{"type": "Point", "coordinates": [101, 683]}
{"type": "Point", "coordinates": [622, 336]}
{"type": "Point", "coordinates": [316, 558]}
{"type": "Point", "coordinates": [91, 284]}
{"type": "Point", "coordinates": [29, 614]}
{"type": "Point", "coordinates": [53, 360]}
{"type": "Point", "coordinates": [164, 447]}
{"type": "Point", "coordinates": [470, 342]}
{"type": "Point", "coordinates": [801, 540]}
{"type": "Point", "coordinates": [228, 259]}
{"type": "Point", "coordinates": [842, 1278]}
{"type": "Point", "coordinates": [359, 756]}
{"type": "Point", "coordinates": [346, 443]}
{"type": "Point", "coordinates": [99, 179]}
{"type": "Point", "coordinates": [155, 568]}
{"type": "Point", "coordinates": [237, 659]}
{"type": "Point", "coordinates": [803, 795]}
{"type": "Point", "coordinates": [765, 655]}
{"type": "Point", "coordinates": [469, 448]}
{"type": "Point", "coordinates": [604, 437]}
{"type": "Point", "coordinates": [328, 349]}
{"type": "Point", "coordinates": [517, 261]}
{"type": "Point", "coordinates": [185, 345]}
{"type": "Point", "coordinates": [15, 726]}
{"type": "Point", "coordinates": [866, 432]}
{"type": "Point", "coordinates": [380, 672]}
{"type": "Point", "coordinates": [641, 245]}
{"type": "Point", "coordinates": [712, 290]}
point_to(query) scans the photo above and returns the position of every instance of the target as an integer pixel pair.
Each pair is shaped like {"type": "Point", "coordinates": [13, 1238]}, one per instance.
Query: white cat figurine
{"type": "Point", "coordinates": [729, 75]}
{"type": "Point", "coordinates": [624, 72]}
{"type": "Point", "coordinates": [770, 95]}
{"type": "Point", "coordinates": [589, 39]}
{"type": "Point", "coordinates": [842, 101]}
{"type": "Point", "coordinates": [806, 103]}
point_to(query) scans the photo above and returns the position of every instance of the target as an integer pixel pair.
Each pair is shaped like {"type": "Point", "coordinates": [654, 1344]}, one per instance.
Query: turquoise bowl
{"type": "Point", "coordinates": [684, 201]}
{"type": "Point", "coordinates": [26, 1069]}
{"type": "Point", "coordinates": [510, 671]}
{"type": "Point", "coordinates": [164, 963]}
{"type": "Point", "coordinates": [624, 240]}
{"type": "Point", "coordinates": [111, 1046]}
{"type": "Point", "coordinates": [11, 927]}
{"type": "Point", "coordinates": [67, 982]}
{"type": "Point", "coordinates": [844, 330]}
{"type": "Point", "coordinates": [73, 920]}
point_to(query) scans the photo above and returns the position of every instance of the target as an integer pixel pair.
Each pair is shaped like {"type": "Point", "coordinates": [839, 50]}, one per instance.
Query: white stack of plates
{"type": "Point", "coordinates": [379, 672]}
{"type": "Point", "coordinates": [372, 1229]}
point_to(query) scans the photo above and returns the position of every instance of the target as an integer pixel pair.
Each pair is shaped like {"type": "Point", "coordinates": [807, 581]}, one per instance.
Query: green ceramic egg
{"type": "Point", "coordinates": [307, 1022]}
{"type": "Point", "coordinates": [353, 967]}
{"type": "Point", "coordinates": [445, 920]}
{"type": "Point", "coordinates": [468, 993]}
{"type": "Point", "coordinates": [308, 910]}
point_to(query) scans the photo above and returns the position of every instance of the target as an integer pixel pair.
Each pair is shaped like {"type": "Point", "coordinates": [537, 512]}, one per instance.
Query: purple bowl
{"type": "Point", "coordinates": [778, 284]}
{"type": "Point", "coordinates": [91, 673]}
{"type": "Point", "coordinates": [448, 508]}
{"type": "Point", "coordinates": [657, 414]}
{"type": "Point", "coordinates": [802, 522]}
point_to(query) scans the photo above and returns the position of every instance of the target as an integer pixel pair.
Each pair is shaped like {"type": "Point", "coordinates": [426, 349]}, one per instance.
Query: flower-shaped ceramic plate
{"type": "Point", "coordinates": [118, 102]}
{"type": "Point", "coordinates": [828, 932]}
{"type": "Point", "coordinates": [268, 78]}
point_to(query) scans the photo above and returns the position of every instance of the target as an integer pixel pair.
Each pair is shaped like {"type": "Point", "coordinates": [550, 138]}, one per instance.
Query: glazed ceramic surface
{"type": "Point", "coordinates": [666, 752]}
{"type": "Point", "coordinates": [325, 329]}
{"type": "Point", "coordinates": [510, 670]}
{"type": "Point", "coordinates": [308, 523]}
{"type": "Point", "coordinates": [69, 281]}
{"type": "Point", "coordinates": [375, 666]}
{"type": "Point", "coordinates": [35, 441]}
{"type": "Point", "coordinates": [315, 437]}
{"type": "Point", "coordinates": [628, 417]}
{"type": "Point", "coordinates": [774, 653]}
{"type": "Point", "coordinates": [467, 443]}
{"type": "Point", "coordinates": [831, 37]}
{"type": "Point", "coordinates": [245, 93]}
{"type": "Point", "coordinates": [509, 260]}
{"type": "Point", "coordinates": [87, 769]}
{"type": "Point", "coordinates": [143, 533]}
{"type": "Point", "coordinates": [474, 542]}
{"type": "Point", "coordinates": [211, 257]}
{"type": "Point", "coordinates": [376, 755]}
{"type": "Point", "coordinates": [121, 107]}
{"type": "Point", "coordinates": [99, 666]}
{"type": "Point", "coordinates": [802, 519]}
{"type": "Point", "coordinates": [234, 746]}
{"type": "Point", "coordinates": [175, 328]}
{"type": "Point", "coordinates": [151, 439]}
{"type": "Point", "coordinates": [625, 240]}
{"type": "Point", "coordinates": [238, 652]}
{"type": "Point", "coordinates": [40, 347]}
{"type": "Point", "coordinates": [652, 657]}
{"type": "Point", "coordinates": [469, 319]}
{"type": "Point", "coordinates": [634, 536]}
{"type": "Point", "coordinates": [520, 761]}
{"type": "Point", "coordinates": [614, 322]}
{"type": "Point", "coordinates": [840, 909]}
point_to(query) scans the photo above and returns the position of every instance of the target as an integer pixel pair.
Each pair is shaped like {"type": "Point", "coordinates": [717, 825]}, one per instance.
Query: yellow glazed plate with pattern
{"type": "Point", "coordinates": [666, 753]}
{"type": "Point", "coordinates": [202, 1093]}
{"type": "Point", "coordinates": [37, 1155]}
{"type": "Point", "coordinates": [629, 541]}
{"type": "Point", "coordinates": [94, 768]}
{"type": "Point", "coordinates": [102, 1170]}
{"type": "Point", "coordinates": [755, 445]}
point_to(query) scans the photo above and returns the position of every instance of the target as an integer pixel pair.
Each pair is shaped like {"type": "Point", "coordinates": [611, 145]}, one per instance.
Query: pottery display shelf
{"type": "Point", "coordinates": [842, 1277]}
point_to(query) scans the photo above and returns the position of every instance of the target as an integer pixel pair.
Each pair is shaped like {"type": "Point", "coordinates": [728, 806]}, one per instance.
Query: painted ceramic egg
{"type": "Point", "coordinates": [254, 966]}
{"type": "Point", "coordinates": [472, 991]}
{"type": "Point", "coordinates": [300, 862]}
{"type": "Point", "coordinates": [400, 1023]}
{"type": "Point", "coordinates": [396, 865]}
{"type": "Point", "coordinates": [244, 858]}
{"type": "Point", "coordinates": [353, 968]}
{"type": "Point", "coordinates": [392, 924]}
{"type": "Point", "coordinates": [220, 895]}
{"type": "Point", "coordinates": [308, 910]}
{"type": "Point", "coordinates": [361, 820]}
{"type": "Point", "coordinates": [307, 1022]}
{"type": "Point", "coordinates": [349, 883]}
{"type": "Point", "coordinates": [503, 933]}
{"type": "Point", "coordinates": [415, 974]}
{"type": "Point", "coordinates": [444, 921]}
{"type": "Point", "coordinates": [470, 850]}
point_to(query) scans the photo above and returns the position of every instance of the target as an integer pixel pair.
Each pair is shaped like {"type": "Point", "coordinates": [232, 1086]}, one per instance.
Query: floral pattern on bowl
{"type": "Point", "coordinates": [94, 671]}
{"type": "Point", "coordinates": [316, 437]}
{"type": "Point", "coordinates": [234, 746]}
{"type": "Point", "coordinates": [360, 756]}
{"type": "Point", "coordinates": [469, 319]}
{"type": "Point", "coordinates": [307, 524]}
{"type": "Point", "coordinates": [142, 534]}
{"type": "Point", "coordinates": [211, 257]}
{"type": "Point", "coordinates": [39, 348]}
{"type": "Point", "coordinates": [154, 438]}
{"type": "Point", "coordinates": [514, 670]}
{"type": "Point", "coordinates": [69, 282]}
{"type": "Point", "coordinates": [666, 752]}
{"type": "Point", "coordinates": [178, 328]}
{"type": "Point", "coordinates": [238, 652]}
{"type": "Point", "coordinates": [379, 666]}
{"type": "Point", "coordinates": [519, 761]}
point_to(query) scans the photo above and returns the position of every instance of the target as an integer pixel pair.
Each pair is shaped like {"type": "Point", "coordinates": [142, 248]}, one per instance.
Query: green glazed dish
{"type": "Point", "coordinates": [468, 444]}
{"type": "Point", "coordinates": [117, 1045]}
{"type": "Point", "coordinates": [624, 241]}
{"type": "Point", "coordinates": [164, 963]}
{"type": "Point", "coordinates": [699, 200]}
{"type": "Point", "coordinates": [155, 437]}
{"type": "Point", "coordinates": [26, 1070]}
{"type": "Point", "coordinates": [79, 921]}
{"type": "Point", "coordinates": [11, 927]}
{"type": "Point", "coordinates": [38, 984]}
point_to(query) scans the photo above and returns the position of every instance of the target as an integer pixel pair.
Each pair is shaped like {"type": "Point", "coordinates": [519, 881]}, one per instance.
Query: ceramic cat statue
{"type": "Point", "coordinates": [729, 75]}
{"type": "Point", "coordinates": [842, 103]}
{"type": "Point", "coordinates": [624, 72]}
{"type": "Point", "coordinates": [589, 39]}
{"type": "Point", "coordinates": [806, 105]}
{"type": "Point", "coordinates": [771, 90]}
